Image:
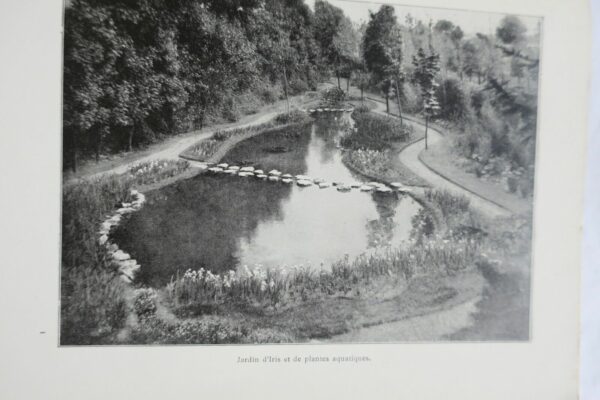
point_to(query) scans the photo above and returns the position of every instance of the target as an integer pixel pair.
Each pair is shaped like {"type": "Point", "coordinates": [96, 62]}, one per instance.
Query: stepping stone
{"type": "Point", "coordinates": [103, 239]}
{"type": "Point", "coordinates": [223, 165]}
{"type": "Point", "coordinates": [303, 178]}
{"type": "Point", "coordinates": [326, 109]}
{"type": "Point", "coordinates": [366, 188]}
{"type": "Point", "coordinates": [245, 174]}
{"type": "Point", "coordinates": [396, 185]}
{"type": "Point", "coordinates": [374, 184]}
{"type": "Point", "coordinates": [215, 170]}
{"type": "Point", "coordinates": [259, 171]}
{"type": "Point", "coordinates": [384, 189]}
{"type": "Point", "coordinates": [261, 176]}
{"type": "Point", "coordinates": [356, 185]}
{"type": "Point", "coordinates": [274, 178]}
{"type": "Point", "coordinates": [129, 264]}
{"type": "Point", "coordinates": [344, 188]}
{"type": "Point", "coordinates": [274, 172]}
{"type": "Point", "coordinates": [247, 169]}
{"type": "Point", "coordinates": [312, 110]}
{"type": "Point", "coordinates": [120, 255]}
{"type": "Point", "coordinates": [286, 176]}
{"type": "Point", "coordinates": [230, 172]}
{"type": "Point", "coordinates": [234, 168]}
{"type": "Point", "coordinates": [324, 185]}
{"type": "Point", "coordinates": [287, 180]}
{"type": "Point", "coordinates": [318, 180]}
{"type": "Point", "coordinates": [319, 109]}
{"type": "Point", "coordinates": [304, 182]}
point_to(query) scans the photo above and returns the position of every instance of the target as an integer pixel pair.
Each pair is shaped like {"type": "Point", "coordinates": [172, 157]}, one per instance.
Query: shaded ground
{"type": "Point", "coordinates": [171, 148]}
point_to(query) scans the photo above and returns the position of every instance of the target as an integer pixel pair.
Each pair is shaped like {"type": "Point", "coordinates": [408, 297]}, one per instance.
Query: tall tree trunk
{"type": "Point", "coordinates": [130, 140]}
{"type": "Point", "coordinates": [285, 88]}
{"type": "Point", "coordinates": [399, 104]}
{"type": "Point", "coordinates": [426, 126]}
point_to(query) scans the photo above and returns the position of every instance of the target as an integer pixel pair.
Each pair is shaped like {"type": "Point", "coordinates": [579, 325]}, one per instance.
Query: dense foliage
{"type": "Point", "coordinates": [483, 86]}
{"type": "Point", "coordinates": [138, 70]}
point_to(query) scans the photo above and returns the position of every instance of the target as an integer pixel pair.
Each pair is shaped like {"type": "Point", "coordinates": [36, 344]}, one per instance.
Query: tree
{"type": "Point", "coordinates": [395, 68]}
{"type": "Point", "coordinates": [382, 50]}
{"type": "Point", "coordinates": [426, 69]}
{"type": "Point", "coordinates": [511, 31]}
{"type": "Point", "coordinates": [471, 61]}
{"type": "Point", "coordinates": [336, 36]}
{"type": "Point", "coordinates": [362, 81]}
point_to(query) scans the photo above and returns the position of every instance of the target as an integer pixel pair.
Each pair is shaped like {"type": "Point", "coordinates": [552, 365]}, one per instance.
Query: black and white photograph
{"type": "Point", "coordinates": [291, 171]}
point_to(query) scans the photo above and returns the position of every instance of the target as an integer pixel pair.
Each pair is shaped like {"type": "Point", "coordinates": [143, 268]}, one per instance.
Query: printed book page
{"type": "Point", "coordinates": [292, 199]}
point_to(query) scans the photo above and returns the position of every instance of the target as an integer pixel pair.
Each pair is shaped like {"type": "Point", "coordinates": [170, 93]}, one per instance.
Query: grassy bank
{"type": "Point", "coordinates": [213, 148]}
{"type": "Point", "coordinates": [94, 300]}
{"type": "Point", "coordinates": [372, 147]}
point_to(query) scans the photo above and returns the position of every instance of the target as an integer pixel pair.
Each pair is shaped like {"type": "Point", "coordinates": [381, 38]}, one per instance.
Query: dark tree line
{"type": "Point", "coordinates": [137, 70]}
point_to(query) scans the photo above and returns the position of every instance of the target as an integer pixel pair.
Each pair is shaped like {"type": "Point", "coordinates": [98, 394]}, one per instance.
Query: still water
{"type": "Point", "coordinates": [222, 222]}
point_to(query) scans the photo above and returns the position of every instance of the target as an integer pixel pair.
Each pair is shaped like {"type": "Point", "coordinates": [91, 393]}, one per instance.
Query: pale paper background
{"type": "Point", "coordinates": [590, 306]}
{"type": "Point", "coordinates": [32, 366]}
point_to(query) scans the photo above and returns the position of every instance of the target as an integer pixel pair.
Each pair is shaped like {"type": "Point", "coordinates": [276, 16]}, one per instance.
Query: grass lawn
{"type": "Point", "coordinates": [441, 158]}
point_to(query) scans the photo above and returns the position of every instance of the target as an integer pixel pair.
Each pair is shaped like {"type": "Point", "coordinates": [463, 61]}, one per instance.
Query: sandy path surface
{"type": "Point", "coordinates": [410, 158]}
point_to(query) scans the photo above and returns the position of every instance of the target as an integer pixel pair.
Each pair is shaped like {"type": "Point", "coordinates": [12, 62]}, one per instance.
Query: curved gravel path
{"type": "Point", "coordinates": [409, 156]}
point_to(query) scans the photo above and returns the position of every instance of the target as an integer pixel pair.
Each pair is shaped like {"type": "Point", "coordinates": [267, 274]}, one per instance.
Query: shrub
{"type": "Point", "coordinates": [453, 103]}
{"type": "Point", "coordinates": [209, 330]}
{"type": "Point", "coordinates": [373, 131]}
{"type": "Point", "coordinates": [144, 303]}
{"type": "Point", "coordinates": [447, 203]}
{"type": "Point", "coordinates": [334, 97]}
{"type": "Point", "coordinates": [297, 86]}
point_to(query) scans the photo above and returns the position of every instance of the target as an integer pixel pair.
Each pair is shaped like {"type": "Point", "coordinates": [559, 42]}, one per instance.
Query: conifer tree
{"type": "Point", "coordinates": [426, 69]}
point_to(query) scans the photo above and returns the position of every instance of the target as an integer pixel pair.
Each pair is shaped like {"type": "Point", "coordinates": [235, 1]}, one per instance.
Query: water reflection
{"type": "Point", "coordinates": [220, 222]}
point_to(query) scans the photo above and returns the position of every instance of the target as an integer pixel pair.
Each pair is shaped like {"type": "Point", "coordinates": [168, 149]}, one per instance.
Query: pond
{"type": "Point", "coordinates": [220, 222]}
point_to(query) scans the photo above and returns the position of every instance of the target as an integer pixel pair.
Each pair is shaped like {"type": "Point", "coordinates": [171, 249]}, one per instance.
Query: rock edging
{"type": "Point", "coordinates": [127, 266]}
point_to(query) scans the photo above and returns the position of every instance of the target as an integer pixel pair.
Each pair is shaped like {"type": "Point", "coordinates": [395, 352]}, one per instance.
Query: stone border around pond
{"type": "Point", "coordinates": [127, 266]}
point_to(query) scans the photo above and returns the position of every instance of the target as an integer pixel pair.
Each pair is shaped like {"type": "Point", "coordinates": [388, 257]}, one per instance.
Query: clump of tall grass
{"type": "Point", "coordinates": [203, 150]}
{"type": "Point", "coordinates": [93, 305]}
{"type": "Point", "coordinates": [279, 287]}
{"type": "Point", "coordinates": [379, 127]}
{"type": "Point", "coordinates": [370, 162]}
{"type": "Point", "coordinates": [448, 203]}
{"type": "Point", "coordinates": [154, 171]}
